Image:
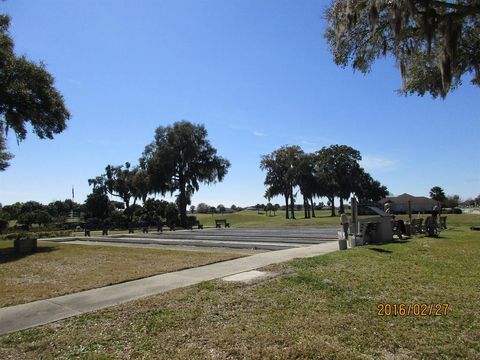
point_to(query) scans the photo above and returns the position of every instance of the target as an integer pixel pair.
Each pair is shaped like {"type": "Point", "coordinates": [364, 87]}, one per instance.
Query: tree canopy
{"type": "Point", "coordinates": [438, 194]}
{"type": "Point", "coordinates": [27, 95]}
{"type": "Point", "coordinates": [339, 171]}
{"type": "Point", "coordinates": [282, 174]}
{"type": "Point", "coordinates": [5, 156]}
{"type": "Point", "coordinates": [332, 171]}
{"type": "Point", "coordinates": [434, 42]}
{"type": "Point", "coordinates": [181, 158]}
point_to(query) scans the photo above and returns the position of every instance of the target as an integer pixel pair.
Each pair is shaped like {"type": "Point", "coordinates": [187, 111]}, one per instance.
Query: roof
{"type": "Point", "coordinates": [404, 198]}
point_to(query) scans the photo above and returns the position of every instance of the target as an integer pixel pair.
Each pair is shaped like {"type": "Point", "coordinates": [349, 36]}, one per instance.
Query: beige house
{"type": "Point", "coordinates": [399, 204]}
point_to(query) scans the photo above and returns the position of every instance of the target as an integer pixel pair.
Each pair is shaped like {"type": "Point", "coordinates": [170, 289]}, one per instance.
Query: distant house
{"type": "Point", "coordinates": [399, 204]}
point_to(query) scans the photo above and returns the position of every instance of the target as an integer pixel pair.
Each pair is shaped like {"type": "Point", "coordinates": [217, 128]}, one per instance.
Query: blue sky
{"type": "Point", "coordinates": [257, 74]}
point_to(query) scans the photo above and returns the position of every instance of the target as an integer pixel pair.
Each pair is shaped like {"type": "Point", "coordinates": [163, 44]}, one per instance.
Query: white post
{"type": "Point", "coordinates": [354, 207]}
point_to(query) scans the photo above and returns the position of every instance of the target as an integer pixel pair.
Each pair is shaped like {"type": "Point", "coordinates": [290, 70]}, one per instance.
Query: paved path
{"type": "Point", "coordinates": [41, 312]}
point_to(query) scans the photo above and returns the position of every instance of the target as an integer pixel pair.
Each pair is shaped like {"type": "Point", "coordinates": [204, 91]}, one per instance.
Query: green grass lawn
{"type": "Point", "coordinates": [58, 269]}
{"type": "Point", "coordinates": [250, 218]}
{"type": "Point", "coordinates": [320, 307]}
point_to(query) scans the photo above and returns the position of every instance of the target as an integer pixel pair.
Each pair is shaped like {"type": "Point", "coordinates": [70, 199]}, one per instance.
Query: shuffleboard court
{"type": "Point", "coordinates": [236, 238]}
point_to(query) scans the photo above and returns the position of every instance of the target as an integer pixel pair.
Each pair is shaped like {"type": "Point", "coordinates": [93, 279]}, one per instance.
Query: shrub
{"type": "Point", "coordinates": [27, 219]}
{"type": "Point", "coordinates": [94, 223]}
{"type": "Point", "coordinates": [35, 235]}
{"type": "Point", "coordinates": [3, 225]}
{"type": "Point", "coordinates": [171, 213]}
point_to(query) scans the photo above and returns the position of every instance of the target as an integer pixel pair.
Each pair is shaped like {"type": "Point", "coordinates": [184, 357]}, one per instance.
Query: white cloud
{"type": "Point", "coordinates": [377, 163]}
{"type": "Point", "coordinates": [258, 133]}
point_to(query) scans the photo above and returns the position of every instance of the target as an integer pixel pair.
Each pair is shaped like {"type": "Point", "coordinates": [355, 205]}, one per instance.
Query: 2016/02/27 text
{"type": "Point", "coordinates": [415, 309]}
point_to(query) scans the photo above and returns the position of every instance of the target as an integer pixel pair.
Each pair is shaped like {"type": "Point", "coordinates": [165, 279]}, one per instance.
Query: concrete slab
{"type": "Point", "coordinates": [247, 276]}
{"type": "Point", "coordinates": [268, 239]}
{"type": "Point", "coordinates": [41, 312]}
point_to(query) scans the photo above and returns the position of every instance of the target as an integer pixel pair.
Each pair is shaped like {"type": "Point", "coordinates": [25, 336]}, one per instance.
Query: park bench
{"type": "Point", "coordinates": [144, 228]}
{"type": "Point", "coordinates": [218, 223]}
{"type": "Point", "coordinates": [416, 226]}
{"type": "Point", "coordinates": [397, 228]}
{"type": "Point", "coordinates": [87, 232]}
{"type": "Point", "coordinates": [366, 231]}
{"type": "Point", "coordinates": [161, 225]}
{"type": "Point", "coordinates": [191, 224]}
{"type": "Point", "coordinates": [443, 222]}
{"type": "Point", "coordinates": [431, 227]}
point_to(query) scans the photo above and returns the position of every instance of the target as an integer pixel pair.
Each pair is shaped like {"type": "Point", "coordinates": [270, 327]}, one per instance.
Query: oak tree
{"type": "Point", "coordinates": [180, 159]}
{"type": "Point", "coordinates": [433, 42]}
{"type": "Point", "coordinates": [27, 95]}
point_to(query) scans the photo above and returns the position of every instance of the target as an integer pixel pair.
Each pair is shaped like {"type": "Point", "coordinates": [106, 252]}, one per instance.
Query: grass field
{"type": "Point", "coordinates": [321, 307]}
{"type": "Point", "coordinates": [58, 269]}
{"type": "Point", "coordinates": [249, 218]}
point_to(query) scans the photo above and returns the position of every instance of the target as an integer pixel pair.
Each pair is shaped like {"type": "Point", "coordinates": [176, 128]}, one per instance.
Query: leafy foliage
{"type": "Point", "coordinates": [282, 174]}
{"type": "Point", "coordinates": [332, 171]}
{"type": "Point", "coordinates": [97, 204]}
{"type": "Point", "coordinates": [438, 194]}
{"type": "Point", "coordinates": [433, 42]}
{"type": "Point", "coordinates": [3, 225]}
{"type": "Point", "coordinates": [181, 158]}
{"type": "Point", "coordinates": [338, 169]}
{"type": "Point", "coordinates": [27, 95]}
{"type": "Point", "coordinates": [203, 208]}
{"type": "Point", "coordinates": [5, 156]}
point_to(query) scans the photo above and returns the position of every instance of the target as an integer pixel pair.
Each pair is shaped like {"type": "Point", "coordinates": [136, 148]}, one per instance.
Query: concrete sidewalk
{"type": "Point", "coordinates": [41, 312]}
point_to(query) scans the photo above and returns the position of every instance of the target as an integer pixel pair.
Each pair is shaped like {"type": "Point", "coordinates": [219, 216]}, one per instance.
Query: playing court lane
{"type": "Point", "coordinates": [310, 236]}
{"type": "Point", "coordinates": [191, 243]}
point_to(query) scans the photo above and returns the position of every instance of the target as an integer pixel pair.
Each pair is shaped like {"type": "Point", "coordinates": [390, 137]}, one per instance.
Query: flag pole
{"type": "Point", "coordinates": [73, 200]}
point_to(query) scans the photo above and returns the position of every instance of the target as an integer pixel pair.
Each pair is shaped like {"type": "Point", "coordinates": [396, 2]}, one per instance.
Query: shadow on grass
{"type": "Point", "coordinates": [404, 241]}
{"type": "Point", "coordinates": [380, 250]}
{"type": "Point", "coordinates": [8, 254]}
{"type": "Point", "coordinates": [378, 245]}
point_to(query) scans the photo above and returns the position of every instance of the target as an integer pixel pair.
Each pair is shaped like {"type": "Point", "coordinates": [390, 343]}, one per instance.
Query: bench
{"type": "Point", "coordinates": [191, 224]}
{"type": "Point", "coordinates": [416, 226]}
{"type": "Point", "coordinates": [443, 222]}
{"type": "Point", "coordinates": [366, 230]}
{"type": "Point", "coordinates": [398, 228]}
{"type": "Point", "coordinates": [218, 223]}
{"type": "Point", "coordinates": [431, 227]}
{"type": "Point", "coordinates": [87, 232]}
{"type": "Point", "coordinates": [143, 228]}
{"type": "Point", "coordinates": [170, 227]}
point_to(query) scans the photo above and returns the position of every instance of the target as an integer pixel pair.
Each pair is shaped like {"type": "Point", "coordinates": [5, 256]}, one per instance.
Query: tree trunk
{"type": "Point", "coordinates": [292, 204]}
{"type": "Point", "coordinates": [286, 206]}
{"type": "Point", "coordinates": [306, 209]}
{"type": "Point", "coordinates": [332, 202]}
{"type": "Point", "coordinates": [182, 203]}
{"type": "Point", "coordinates": [342, 208]}
{"type": "Point", "coordinates": [313, 207]}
